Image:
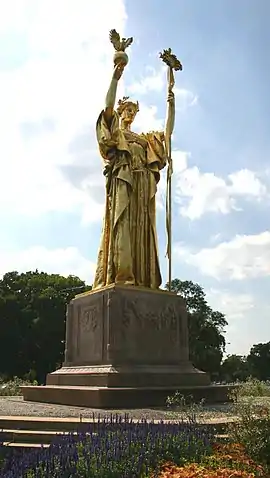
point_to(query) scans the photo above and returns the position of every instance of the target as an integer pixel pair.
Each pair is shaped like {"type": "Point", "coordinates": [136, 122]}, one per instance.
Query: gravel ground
{"type": "Point", "coordinates": [15, 406]}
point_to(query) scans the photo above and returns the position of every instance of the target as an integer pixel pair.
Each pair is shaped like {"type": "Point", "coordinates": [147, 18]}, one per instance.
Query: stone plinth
{"type": "Point", "coordinates": [117, 398]}
{"type": "Point", "coordinates": [124, 344]}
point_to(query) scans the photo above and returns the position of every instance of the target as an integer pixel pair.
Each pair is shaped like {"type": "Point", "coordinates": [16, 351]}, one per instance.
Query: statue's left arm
{"type": "Point", "coordinates": [170, 118]}
{"type": "Point", "coordinates": [156, 152]}
{"type": "Point", "coordinates": [160, 140]}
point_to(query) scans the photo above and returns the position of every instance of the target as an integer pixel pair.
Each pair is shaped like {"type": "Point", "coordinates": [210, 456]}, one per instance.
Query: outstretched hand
{"type": "Point", "coordinates": [170, 98]}
{"type": "Point", "coordinates": [118, 71]}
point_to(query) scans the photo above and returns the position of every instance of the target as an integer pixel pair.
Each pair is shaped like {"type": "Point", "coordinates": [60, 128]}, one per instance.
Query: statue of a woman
{"type": "Point", "coordinates": [128, 251]}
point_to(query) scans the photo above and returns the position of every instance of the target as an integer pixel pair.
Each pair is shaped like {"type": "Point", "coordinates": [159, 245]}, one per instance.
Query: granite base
{"type": "Point", "coordinates": [125, 347]}
{"type": "Point", "coordinates": [121, 398]}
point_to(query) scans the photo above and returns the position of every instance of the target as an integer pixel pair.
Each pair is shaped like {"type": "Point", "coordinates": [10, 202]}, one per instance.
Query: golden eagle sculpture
{"type": "Point", "coordinates": [119, 45]}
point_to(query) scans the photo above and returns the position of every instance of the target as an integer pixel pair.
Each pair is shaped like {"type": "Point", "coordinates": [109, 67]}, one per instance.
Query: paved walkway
{"type": "Point", "coordinates": [15, 407]}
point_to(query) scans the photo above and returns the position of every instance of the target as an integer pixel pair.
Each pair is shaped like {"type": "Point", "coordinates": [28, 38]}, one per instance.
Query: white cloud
{"type": "Point", "coordinates": [36, 184]}
{"type": "Point", "coordinates": [202, 192]}
{"type": "Point", "coordinates": [47, 102]}
{"type": "Point", "coordinates": [184, 98]}
{"type": "Point", "coordinates": [242, 310]}
{"type": "Point", "coordinates": [146, 119]}
{"type": "Point", "coordinates": [180, 159]}
{"type": "Point", "coordinates": [59, 85]}
{"type": "Point", "coordinates": [52, 99]}
{"type": "Point", "coordinates": [246, 256]}
{"type": "Point", "coordinates": [247, 318]}
{"type": "Point", "coordinates": [154, 80]}
{"type": "Point", "coordinates": [245, 182]}
{"type": "Point", "coordinates": [13, 16]}
{"type": "Point", "coordinates": [215, 238]}
{"type": "Point", "coordinates": [198, 193]}
{"type": "Point", "coordinates": [64, 261]}
{"type": "Point", "coordinates": [235, 306]}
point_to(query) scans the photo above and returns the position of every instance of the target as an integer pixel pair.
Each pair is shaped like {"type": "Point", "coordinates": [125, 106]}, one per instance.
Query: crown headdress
{"type": "Point", "coordinates": [122, 104]}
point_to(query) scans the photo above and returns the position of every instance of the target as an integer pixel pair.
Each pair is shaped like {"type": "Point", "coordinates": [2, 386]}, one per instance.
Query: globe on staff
{"type": "Point", "coordinates": [120, 55]}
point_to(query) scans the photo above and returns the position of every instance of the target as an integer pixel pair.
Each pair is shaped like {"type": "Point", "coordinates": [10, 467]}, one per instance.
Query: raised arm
{"type": "Point", "coordinates": [111, 94]}
{"type": "Point", "coordinates": [170, 116]}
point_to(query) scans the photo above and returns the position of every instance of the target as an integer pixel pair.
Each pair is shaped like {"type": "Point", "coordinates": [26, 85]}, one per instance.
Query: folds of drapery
{"type": "Point", "coordinates": [128, 250]}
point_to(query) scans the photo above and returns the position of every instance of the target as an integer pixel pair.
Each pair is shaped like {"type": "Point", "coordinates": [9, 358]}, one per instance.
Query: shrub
{"type": "Point", "coordinates": [252, 429]}
{"type": "Point", "coordinates": [13, 387]}
{"type": "Point", "coordinates": [252, 388]}
{"type": "Point", "coordinates": [185, 406]}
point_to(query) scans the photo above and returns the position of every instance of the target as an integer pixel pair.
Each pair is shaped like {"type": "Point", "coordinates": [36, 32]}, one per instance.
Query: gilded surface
{"type": "Point", "coordinates": [128, 251]}
{"type": "Point", "coordinates": [173, 64]}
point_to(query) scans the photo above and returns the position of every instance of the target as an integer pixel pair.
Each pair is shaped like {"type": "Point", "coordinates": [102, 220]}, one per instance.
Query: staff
{"type": "Point", "coordinates": [173, 64]}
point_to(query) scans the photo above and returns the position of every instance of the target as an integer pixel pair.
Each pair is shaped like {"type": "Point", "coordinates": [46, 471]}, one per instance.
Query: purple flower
{"type": "Point", "coordinates": [111, 447]}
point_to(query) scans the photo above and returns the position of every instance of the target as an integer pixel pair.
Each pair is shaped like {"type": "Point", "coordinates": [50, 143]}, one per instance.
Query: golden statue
{"type": "Point", "coordinates": [128, 251]}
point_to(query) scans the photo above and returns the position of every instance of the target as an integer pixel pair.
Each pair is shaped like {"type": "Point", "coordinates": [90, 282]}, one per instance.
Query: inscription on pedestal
{"type": "Point", "coordinates": [146, 318]}
{"type": "Point", "coordinates": [144, 327]}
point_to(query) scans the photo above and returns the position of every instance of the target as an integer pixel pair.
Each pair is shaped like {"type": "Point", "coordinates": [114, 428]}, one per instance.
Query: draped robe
{"type": "Point", "coordinates": [128, 252]}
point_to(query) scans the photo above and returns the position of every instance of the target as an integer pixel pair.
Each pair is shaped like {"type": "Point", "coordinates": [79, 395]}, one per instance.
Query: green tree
{"type": "Point", "coordinates": [259, 361]}
{"type": "Point", "coordinates": [235, 367]}
{"type": "Point", "coordinates": [206, 328]}
{"type": "Point", "coordinates": [32, 321]}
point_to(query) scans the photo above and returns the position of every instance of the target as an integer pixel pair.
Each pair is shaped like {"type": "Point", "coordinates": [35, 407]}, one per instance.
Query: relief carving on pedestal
{"type": "Point", "coordinates": [89, 319]}
{"type": "Point", "coordinates": [89, 332]}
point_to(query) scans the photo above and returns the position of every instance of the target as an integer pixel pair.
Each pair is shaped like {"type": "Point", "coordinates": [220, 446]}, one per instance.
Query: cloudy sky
{"type": "Point", "coordinates": [55, 67]}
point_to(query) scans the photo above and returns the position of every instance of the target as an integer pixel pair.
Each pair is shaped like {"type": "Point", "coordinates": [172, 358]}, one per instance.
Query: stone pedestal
{"type": "Point", "coordinates": [125, 347]}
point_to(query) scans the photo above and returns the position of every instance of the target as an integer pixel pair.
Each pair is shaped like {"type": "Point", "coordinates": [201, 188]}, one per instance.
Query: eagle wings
{"type": "Point", "coordinates": [119, 45]}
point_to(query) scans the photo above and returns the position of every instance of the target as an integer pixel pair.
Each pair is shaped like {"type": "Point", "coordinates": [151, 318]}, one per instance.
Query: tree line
{"type": "Point", "coordinates": [32, 329]}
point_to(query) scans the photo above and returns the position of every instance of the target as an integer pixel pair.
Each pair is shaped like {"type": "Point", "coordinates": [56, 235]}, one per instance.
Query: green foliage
{"type": "Point", "coordinates": [206, 328]}
{"type": "Point", "coordinates": [252, 388]}
{"type": "Point", "coordinates": [32, 321]}
{"type": "Point", "coordinates": [235, 368]}
{"type": "Point", "coordinates": [185, 406]}
{"type": "Point", "coordinates": [256, 364]}
{"type": "Point", "coordinates": [252, 429]}
{"type": "Point", "coordinates": [259, 361]}
{"type": "Point", "coordinates": [12, 387]}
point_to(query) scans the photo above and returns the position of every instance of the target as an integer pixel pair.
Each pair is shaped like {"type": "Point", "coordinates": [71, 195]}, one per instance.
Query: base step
{"type": "Point", "coordinates": [26, 446]}
{"type": "Point", "coordinates": [121, 397]}
{"type": "Point", "coordinates": [30, 436]}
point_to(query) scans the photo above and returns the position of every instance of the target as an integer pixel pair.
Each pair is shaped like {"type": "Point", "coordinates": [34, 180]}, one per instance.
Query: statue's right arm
{"type": "Point", "coordinates": [110, 101]}
{"type": "Point", "coordinates": [111, 94]}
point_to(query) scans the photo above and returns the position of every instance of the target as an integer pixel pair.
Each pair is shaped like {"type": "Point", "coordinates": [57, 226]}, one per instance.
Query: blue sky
{"type": "Point", "coordinates": [55, 67]}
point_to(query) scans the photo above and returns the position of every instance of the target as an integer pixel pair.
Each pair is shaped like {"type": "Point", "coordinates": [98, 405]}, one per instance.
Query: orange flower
{"type": "Point", "coordinates": [263, 411]}
{"type": "Point", "coordinates": [196, 471]}
{"type": "Point", "coordinates": [224, 463]}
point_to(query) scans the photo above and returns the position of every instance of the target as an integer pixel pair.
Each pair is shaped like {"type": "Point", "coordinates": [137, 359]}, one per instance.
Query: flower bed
{"type": "Point", "coordinates": [119, 447]}
{"type": "Point", "coordinates": [227, 461]}
{"type": "Point", "coordinates": [114, 447]}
